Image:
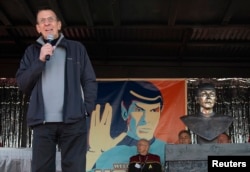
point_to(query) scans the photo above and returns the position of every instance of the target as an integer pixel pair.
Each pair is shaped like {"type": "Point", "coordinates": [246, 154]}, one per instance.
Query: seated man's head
{"type": "Point", "coordinates": [223, 138]}
{"type": "Point", "coordinates": [141, 107]}
{"type": "Point", "coordinates": [184, 137]}
{"type": "Point", "coordinates": [143, 146]}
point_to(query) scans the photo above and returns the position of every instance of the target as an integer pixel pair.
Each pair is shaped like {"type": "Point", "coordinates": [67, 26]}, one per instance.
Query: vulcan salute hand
{"type": "Point", "coordinates": [99, 134]}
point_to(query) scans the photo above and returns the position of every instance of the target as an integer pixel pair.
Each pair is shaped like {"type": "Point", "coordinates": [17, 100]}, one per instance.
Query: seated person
{"type": "Point", "coordinates": [144, 161]}
{"type": "Point", "coordinates": [223, 138]}
{"type": "Point", "coordinates": [184, 137]}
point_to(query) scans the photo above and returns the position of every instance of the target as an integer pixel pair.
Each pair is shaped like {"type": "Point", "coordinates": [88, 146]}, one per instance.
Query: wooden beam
{"type": "Point", "coordinates": [86, 13]}
{"type": "Point", "coordinates": [116, 12]}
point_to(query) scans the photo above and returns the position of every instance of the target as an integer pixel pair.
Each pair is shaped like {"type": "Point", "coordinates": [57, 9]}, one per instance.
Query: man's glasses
{"type": "Point", "coordinates": [48, 20]}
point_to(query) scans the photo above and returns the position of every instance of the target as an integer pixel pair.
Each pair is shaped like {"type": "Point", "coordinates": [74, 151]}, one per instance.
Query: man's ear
{"type": "Point", "coordinates": [59, 26]}
{"type": "Point", "coordinates": [124, 111]}
{"type": "Point", "coordinates": [38, 29]}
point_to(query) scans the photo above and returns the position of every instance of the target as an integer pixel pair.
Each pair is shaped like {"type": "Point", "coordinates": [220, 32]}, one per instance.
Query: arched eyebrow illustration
{"type": "Point", "coordinates": [143, 97]}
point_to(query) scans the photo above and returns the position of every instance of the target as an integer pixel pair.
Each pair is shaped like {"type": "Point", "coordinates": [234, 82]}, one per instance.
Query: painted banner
{"type": "Point", "coordinates": [127, 111]}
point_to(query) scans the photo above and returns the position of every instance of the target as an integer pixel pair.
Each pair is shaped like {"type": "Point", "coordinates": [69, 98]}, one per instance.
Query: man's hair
{"type": "Point", "coordinates": [228, 136]}
{"type": "Point", "coordinates": [184, 131]}
{"type": "Point", "coordinates": [42, 8]}
{"type": "Point", "coordinates": [144, 140]}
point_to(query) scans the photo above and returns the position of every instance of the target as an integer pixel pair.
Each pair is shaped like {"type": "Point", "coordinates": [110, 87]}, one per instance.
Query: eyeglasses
{"type": "Point", "coordinates": [49, 20]}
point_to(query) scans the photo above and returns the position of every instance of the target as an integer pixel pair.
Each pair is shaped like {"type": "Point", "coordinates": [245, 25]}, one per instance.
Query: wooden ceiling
{"type": "Point", "coordinates": [140, 38]}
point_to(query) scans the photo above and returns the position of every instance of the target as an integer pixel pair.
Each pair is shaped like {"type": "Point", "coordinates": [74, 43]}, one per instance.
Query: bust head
{"type": "Point", "coordinates": [206, 98]}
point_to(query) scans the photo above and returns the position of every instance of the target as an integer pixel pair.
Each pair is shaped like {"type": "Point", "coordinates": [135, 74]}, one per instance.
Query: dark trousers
{"type": "Point", "coordinates": [72, 140]}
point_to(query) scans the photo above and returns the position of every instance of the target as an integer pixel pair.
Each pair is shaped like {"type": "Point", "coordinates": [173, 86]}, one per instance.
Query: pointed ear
{"type": "Point", "coordinates": [124, 111]}
{"type": "Point", "coordinates": [59, 26]}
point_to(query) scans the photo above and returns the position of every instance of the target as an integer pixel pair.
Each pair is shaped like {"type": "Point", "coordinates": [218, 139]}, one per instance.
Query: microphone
{"type": "Point", "coordinates": [50, 38]}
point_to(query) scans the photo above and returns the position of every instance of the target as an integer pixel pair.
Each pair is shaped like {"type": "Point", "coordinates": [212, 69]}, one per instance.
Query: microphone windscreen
{"type": "Point", "coordinates": [50, 38]}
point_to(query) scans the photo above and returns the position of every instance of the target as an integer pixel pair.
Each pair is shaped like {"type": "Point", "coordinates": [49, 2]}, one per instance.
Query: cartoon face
{"type": "Point", "coordinates": [143, 119]}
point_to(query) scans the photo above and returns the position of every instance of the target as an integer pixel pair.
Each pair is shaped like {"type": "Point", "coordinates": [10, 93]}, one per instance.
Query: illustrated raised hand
{"type": "Point", "coordinates": [100, 139]}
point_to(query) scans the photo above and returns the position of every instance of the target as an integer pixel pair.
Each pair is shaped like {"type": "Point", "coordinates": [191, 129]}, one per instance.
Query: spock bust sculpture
{"type": "Point", "coordinates": [207, 125]}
